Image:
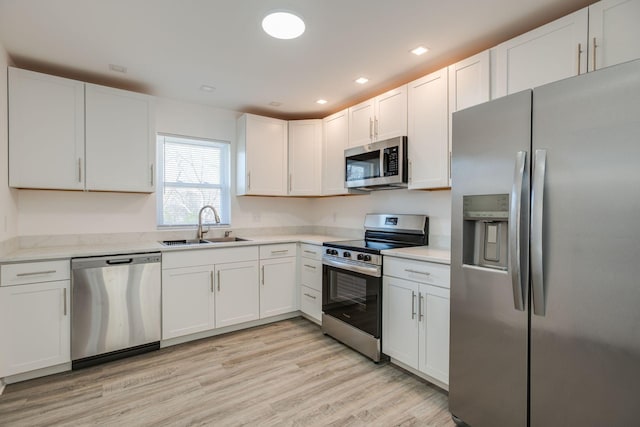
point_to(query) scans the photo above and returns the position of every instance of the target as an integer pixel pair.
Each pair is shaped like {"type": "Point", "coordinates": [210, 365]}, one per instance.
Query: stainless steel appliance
{"type": "Point", "coordinates": [376, 166]}
{"type": "Point", "coordinates": [545, 255]}
{"type": "Point", "coordinates": [115, 307]}
{"type": "Point", "coordinates": [352, 279]}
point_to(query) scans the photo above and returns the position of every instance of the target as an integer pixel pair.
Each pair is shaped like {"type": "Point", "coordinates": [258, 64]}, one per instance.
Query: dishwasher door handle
{"type": "Point", "coordinates": [120, 261]}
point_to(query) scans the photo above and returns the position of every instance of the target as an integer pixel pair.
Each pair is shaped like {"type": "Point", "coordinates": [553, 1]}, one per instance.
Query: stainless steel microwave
{"type": "Point", "coordinates": [376, 166]}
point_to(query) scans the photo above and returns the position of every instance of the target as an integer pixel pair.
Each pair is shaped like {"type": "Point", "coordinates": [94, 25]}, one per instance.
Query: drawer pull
{"type": "Point", "coordinates": [284, 251]}
{"type": "Point", "coordinates": [310, 296]}
{"type": "Point", "coordinates": [34, 273]}
{"type": "Point", "coordinates": [310, 266]}
{"type": "Point", "coordinates": [310, 252]}
{"type": "Point", "coordinates": [426, 273]}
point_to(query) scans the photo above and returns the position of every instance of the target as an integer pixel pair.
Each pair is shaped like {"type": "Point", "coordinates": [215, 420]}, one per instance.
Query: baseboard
{"type": "Point", "coordinates": [422, 375]}
{"type": "Point", "coordinates": [37, 373]}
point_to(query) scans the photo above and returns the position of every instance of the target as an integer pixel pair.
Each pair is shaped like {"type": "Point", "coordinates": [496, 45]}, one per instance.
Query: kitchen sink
{"type": "Point", "coordinates": [191, 242]}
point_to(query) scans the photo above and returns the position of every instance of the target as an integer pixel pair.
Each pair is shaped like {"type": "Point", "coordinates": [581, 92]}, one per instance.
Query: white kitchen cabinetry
{"type": "Point", "coordinates": [379, 118]}
{"type": "Point", "coordinates": [613, 32]}
{"type": "Point", "coordinates": [428, 150]}
{"type": "Point", "coordinates": [310, 268]}
{"type": "Point", "coordinates": [68, 135]}
{"type": "Point", "coordinates": [261, 156]}
{"type": "Point", "coordinates": [415, 323]}
{"type": "Point", "coordinates": [120, 140]}
{"type": "Point", "coordinates": [237, 294]}
{"type": "Point", "coordinates": [46, 131]}
{"type": "Point", "coordinates": [35, 327]}
{"type": "Point", "coordinates": [549, 53]}
{"type": "Point", "coordinates": [305, 158]}
{"type": "Point", "coordinates": [278, 290]}
{"type": "Point", "coordinates": [336, 140]}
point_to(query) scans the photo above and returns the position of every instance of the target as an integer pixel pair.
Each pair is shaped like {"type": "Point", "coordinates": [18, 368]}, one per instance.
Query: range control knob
{"type": "Point", "coordinates": [346, 254]}
{"type": "Point", "coordinates": [367, 258]}
{"type": "Point", "coordinates": [360, 257]}
{"type": "Point", "coordinates": [328, 251]}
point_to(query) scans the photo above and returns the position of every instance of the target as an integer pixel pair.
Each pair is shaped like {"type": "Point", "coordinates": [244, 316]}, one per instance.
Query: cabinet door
{"type": "Point", "coordinates": [187, 301]}
{"type": "Point", "coordinates": [120, 140]}
{"type": "Point", "coordinates": [237, 297]}
{"type": "Point", "coordinates": [613, 32]}
{"type": "Point", "coordinates": [434, 332]}
{"type": "Point", "coordinates": [361, 123]}
{"type": "Point", "coordinates": [400, 320]}
{"type": "Point", "coordinates": [35, 327]}
{"type": "Point", "coordinates": [336, 140]}
{"type": "Point", "coordinates": [390, 114]}
{"type": "Point", "coordinates": [305, 162]}
{"type": "Point", "coordinates": [278, 291]}
{"type": "Point", "coordinates": [311, 303]}
{"type": "Point", "coordinates": [428, 132]}
{"type": "Point", "coordinates": [46, 131]}
{"type": "Point", "coordinates": [266, 156]}
{"type": "Point", "coordinates": [549, 53]}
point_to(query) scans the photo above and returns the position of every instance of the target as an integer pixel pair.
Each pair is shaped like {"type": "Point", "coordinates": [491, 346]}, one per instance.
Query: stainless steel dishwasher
{"type": "Point", "coordinates": [115, 307]}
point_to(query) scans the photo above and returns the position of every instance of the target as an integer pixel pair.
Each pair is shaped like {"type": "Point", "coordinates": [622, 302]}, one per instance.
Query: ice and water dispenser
{"type": "Point", "coordinates": [485, 230]}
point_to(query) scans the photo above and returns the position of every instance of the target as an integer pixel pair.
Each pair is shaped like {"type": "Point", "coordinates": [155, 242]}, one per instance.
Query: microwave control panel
{"type": "Point", "coordinates": [391, 161]}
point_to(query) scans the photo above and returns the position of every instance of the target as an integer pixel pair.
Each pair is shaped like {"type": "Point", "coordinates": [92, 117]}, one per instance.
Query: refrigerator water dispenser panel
{"type": "Point", "coordinates": [485, 230]}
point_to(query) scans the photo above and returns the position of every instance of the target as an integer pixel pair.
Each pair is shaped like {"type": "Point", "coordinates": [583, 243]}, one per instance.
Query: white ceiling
{"type": "Point", "coordinates": [172, 47]}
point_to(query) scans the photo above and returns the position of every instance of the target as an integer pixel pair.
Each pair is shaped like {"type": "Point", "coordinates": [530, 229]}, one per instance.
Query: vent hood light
{"type": "Point", "coordinates": [419, 50]}
{"type": "Point", "coordinates": [283, 25]}
{"type": "Point", "coordinates": [362, 80]}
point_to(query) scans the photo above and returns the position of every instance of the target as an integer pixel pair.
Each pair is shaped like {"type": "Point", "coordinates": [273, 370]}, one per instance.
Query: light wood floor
{"type": "Point", "coordinates": [283, 374]}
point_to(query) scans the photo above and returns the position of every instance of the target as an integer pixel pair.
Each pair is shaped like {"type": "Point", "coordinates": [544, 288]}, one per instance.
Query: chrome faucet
{"type": "Point", "coordinates": [201, 232]}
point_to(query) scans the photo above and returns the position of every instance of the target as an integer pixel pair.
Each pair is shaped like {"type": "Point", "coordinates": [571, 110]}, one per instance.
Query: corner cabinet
{"type": "Point", "coordinates": [69, 135]}
{"type": "Point", "coordinates": [261, 156]}
{"type": "Point", "coordinates": [336, 140]}
{"type": "Point", "coordinates": [379, 118]}
{"type": "Point", "coordinates": [35, 326]}
{"type": "Point", "coordinates": [415, 317]}
{"type": "Point", "coordinates": [305, 158]}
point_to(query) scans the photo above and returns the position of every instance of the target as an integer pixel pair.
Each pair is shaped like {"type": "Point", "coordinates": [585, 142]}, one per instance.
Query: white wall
{"type": "Point", "coordinates": [8, 197]}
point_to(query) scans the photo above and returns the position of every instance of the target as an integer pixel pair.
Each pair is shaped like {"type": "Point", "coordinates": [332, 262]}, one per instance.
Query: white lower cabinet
{"type": "Point", "coordinates": [35, 327]}
{"type": "Point", "coordinates": [278, 290]}
{"type": "Point", "coordinates": [310, 267]}
{"type": "Point", "coordinates": [415, 318]}
{"type": "Point", "coordinates": [237, 298]}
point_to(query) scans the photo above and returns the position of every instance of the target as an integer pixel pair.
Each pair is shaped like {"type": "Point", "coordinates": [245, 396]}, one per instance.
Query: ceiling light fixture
{"type": "Point", "coordinates": [419, 50]}
{"type": "Point", "coordinates": [321, 101]}
{"type": "Point", "coordinates": [207, 88]}
{"type": "Point", "coordinates": [362, 80]}
{"type": "Point", "coordinates": [275, 103]}
{"type": "Point", "coordinates": [283, 25]}
{"type": "Point", "coordinates": [118, 68]}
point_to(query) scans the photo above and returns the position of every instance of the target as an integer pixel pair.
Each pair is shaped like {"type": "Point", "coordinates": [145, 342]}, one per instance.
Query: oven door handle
{"type": "Point", "coordinates": [373, 270]}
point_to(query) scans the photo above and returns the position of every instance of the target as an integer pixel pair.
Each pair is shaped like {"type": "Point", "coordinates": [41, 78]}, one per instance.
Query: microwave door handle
{"type": "Point", "coordinates": [385, 163]}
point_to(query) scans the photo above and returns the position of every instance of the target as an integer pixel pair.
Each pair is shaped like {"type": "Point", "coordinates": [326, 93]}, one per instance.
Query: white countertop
{"type": "Point", "coordinates": [422, 253]}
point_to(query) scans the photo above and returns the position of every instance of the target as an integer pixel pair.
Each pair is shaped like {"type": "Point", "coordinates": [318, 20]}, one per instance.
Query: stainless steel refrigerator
{"type": "Point", "coordinates": [545, 261]}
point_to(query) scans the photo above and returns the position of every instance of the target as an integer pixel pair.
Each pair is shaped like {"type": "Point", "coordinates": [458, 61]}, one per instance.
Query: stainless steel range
{"type": "Point", "coordinates": [352, 279]}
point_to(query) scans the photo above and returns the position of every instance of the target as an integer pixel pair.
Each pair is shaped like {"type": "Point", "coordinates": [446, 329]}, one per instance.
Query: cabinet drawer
{"type": "Point", "coordinates": [417, 271]}
{"type": "Point", "coordinates": [277, 251]}
{"type": "Point", "coordinates": [197, 257]}
{"type": "Point", "coordinates": [311, 251]}
{"type": "Point", "coordinates": [311, 273]}
{"type": "Point", "coordinates": [311, 302]}
{"type": "Point", "coordinates": [34, 272]}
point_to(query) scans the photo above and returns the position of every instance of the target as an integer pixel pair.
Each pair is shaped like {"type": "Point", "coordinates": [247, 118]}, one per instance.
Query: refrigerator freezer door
{"type": "Point", "coordinates": [489, 338]}
{"type": "Point", "coordinates": [585, 348]}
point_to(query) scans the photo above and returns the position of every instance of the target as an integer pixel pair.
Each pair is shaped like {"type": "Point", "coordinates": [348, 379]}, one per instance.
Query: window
{"type": "Point", "coordinates": [192, 173]}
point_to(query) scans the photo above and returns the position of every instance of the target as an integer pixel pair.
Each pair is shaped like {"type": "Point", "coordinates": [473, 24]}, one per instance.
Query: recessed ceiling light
{"type": "Point", "coordinates": [419, 50]}
{"type": "Point", "coordinates": [117, 68]}
{"type": "Point", "coordinates": [362, 80]}
{"type": "Point", "coordinates": [207, 88]}
{"type": "Point", "coordinates": [322, 101]}
{"type": "Point", "coordinates": [283, 25]}
{"type": "Point", "coordinates": [275, 103]}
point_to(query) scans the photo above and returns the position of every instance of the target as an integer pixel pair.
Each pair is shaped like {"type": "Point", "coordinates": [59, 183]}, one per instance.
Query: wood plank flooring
{"type": "Point", "coordinates": [283, 374]}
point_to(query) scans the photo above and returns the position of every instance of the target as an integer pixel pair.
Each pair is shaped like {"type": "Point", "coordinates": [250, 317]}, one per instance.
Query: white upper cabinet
{"type": "Point", "coordinates": [336, 140]}
{"type": "Point", "coordinates": [428, 142]}
{"type": "Point", "coordinates": [380, 118]}
{"type": "Point", "coordinates": [261, 156]}
{"type": "Point", "coordinates": [46, 131]}
{"type": "Point", "coordinates": [120, 140]}
{"type": "Point", "coordinates": [614, 32]}
{"type": "Point", "coordinates": [305, 157]}
{"type": "Point", "coordinates": [549, 53]}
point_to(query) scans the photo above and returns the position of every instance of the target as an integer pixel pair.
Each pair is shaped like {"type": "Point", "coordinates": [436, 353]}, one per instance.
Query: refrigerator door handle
{"type": "Point", "coordinates": [537, 198]}
{"type": "Point", "coordinates": [515, 230]}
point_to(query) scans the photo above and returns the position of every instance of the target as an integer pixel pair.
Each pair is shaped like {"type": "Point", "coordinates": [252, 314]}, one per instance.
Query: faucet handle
{"type": "Point", "coordinates": [227, 233]}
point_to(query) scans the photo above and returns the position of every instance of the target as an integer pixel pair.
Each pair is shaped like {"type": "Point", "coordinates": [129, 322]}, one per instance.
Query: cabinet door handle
{"type": "Point", "coordinates": [34, 273]}
{"type": "Point", "coordinates": [262, 275]}
{"type": "Point", "coordinates": [64, 300]}
{"type": "Point", "coordinates": [79, 169]}
{"type": "Point", "coordinates": [151, 179]}
{"type": "Point", "coordinates": [219, 280]}
{"type": "Point", "coordinates": [426, 273]}
{"type": "Point", "coordinates": [579, 56]}
{"type": "Point", "coordinates": [420, 314]}
{"type": "Point", "coordinates": [249, 181]}
{"type": "Point", "coordinates": [310, 252]}
{"type": "Point", "coordinates": [370, 128]}
{"type": "Point", "coordinates": [375, 127]}
{"type": "Point", "coordinates": [410, 171]}
{"type": "Point", "coordinates": [310, 266]}
{"type": "Point", "coordinates": [211, 280]}
{"type": "Point", "coordinates": [595, 47]}
{"type": "Point", "coordinates": [413, 305]}
{"type": "Point", "coordinates": [310, 296]}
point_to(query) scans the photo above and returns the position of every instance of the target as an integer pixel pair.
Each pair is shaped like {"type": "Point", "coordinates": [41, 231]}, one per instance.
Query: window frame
{"type": "Point", "coordinates": [224, 186]}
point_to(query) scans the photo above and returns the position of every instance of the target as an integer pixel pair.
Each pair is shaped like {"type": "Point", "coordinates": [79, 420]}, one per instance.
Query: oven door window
{"type": "Point", "coordinates": [363, 166]}
{"type": "Point", "coordinates": [353, 298]}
